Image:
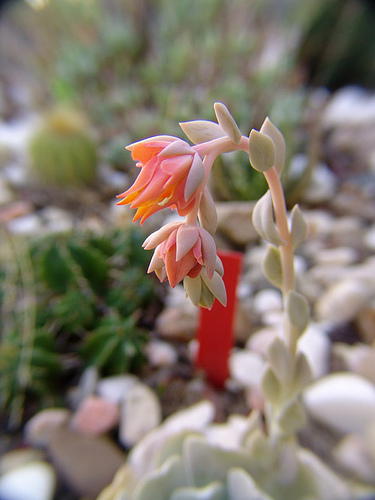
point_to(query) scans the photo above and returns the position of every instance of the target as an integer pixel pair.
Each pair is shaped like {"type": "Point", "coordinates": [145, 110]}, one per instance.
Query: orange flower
{"type": "Point", "coordinates": [171, 174]}
{"type": "Point", "coordinates": [181, 250]}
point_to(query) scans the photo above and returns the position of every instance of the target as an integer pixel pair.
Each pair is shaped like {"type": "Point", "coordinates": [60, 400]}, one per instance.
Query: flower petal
{"type": "Point", "coordinates": [186, 238]}
{"type": "Point", "coordinates": [156, 138]}
{"type": "Point", "coordinates": [156, 262]}
{"type": "Point", "coordinates": [177, 270]}
{"type": "Point", "coordinates": [209, 251]}
{"type": "Point", "coordinates": [177, 148]}
{"type": "Point", "coordinates": [195, 177]}
{"type": "Point", "coordinates": [157, 237]}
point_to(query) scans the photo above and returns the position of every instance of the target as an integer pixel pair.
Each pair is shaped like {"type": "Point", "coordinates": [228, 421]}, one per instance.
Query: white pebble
{"type": "Point", "coordinates": [30, 224]}
{"type": "Point", "coordinates": [160, 353]}
{"type": "Point", "coordinates": [56, 219]}
{"type": "Point", "coordinates": [342, 301]}
{"type": "Point", "coordinates": [339, 256]}
{"type": "Point", "coordinates": [316, 346]}
{"type": "Point", "coordinates": [246, 368]}
{"type": "Point", "coordinates": [267, 300]}
{"type": "Point", "coordinates": [319, 223]}
{"type": "Point", "coordinates": [261, 339]}
{"type": "Point", "coordinates": [322, 186]}
{"type": "Point", "coordinates": [32, 481]}
{"type": "Point", "coordinates": [343, 401]}
{"type": "Point", "coordinates": [352, 455]}
{"type": "Point", "coordinates": [358, 358]}
{"type": "Point", "coordinates": [140, 413]}
{"type": "Point", "coordinates": [116, 388]}
{"type": "Point", "coordinates": [369, 239]}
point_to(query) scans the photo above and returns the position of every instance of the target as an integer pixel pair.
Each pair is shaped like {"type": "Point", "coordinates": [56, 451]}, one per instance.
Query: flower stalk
{"type": "Point", "coordinates": [174, 175]}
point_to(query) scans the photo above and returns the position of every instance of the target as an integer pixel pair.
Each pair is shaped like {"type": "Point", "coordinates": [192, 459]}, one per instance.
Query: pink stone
{"type": "Point", "coordinates": [95, 416]}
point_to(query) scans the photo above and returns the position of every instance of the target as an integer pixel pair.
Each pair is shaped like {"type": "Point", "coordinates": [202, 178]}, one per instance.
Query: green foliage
{"type": "Point", "coordinates": [115, 346]}
{"type": "Point", "coordinates": [138, 65]}
{"type": "Point", "coordinates": [44, 369]}
{"type": "Point", "coordinates": [233, 179]}
{"type": "Point", "coordinates": [62, 151]}
{"type": "Point", "coordinates": [81, 302]}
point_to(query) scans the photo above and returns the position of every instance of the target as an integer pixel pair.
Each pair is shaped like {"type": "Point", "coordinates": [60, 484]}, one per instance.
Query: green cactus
{"type": "Point", "coordinates": [62, 151]}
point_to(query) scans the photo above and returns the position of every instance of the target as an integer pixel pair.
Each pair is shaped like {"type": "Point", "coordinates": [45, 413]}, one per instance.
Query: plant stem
{"type": "Point", "coordinates": [286, 251]}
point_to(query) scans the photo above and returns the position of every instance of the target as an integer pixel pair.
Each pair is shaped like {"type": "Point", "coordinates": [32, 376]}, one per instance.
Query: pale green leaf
{"type": "Point", "coordinates": [280, 359]}
{"type": "Point", "coordinates": [227, 122]}
{"type": "Point", "coordinates": [277, 137]}
{"type": "Point", "coordinates": [241, 486]}
{"type": "Point", "coordinates": [293, 418]}
{"type": "Point", "coordinates": [299, 227]}
{"type": "Point", "coordinates": [272, 267]}
{"type": "Point", "coordinates": [271, 386]}
{"type": "Point", "coordinates": [302, 372]}
{"type": "Point", "coordinates": [297, 310]}
{"type": "Point", "coordinates": [213, 491]}
{"type": "Point", "coordinates": [262, 151]}
{"type": "Point", "coordinates": [199, 131]}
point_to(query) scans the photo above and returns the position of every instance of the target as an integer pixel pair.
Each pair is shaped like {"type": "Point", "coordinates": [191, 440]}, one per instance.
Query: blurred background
{"type": "Point", "coordinates": [81, 79]}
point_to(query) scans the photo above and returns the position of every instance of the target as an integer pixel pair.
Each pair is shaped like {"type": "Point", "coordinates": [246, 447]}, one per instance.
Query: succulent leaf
{"type": "Point", "coordinates": [202, 130]}
{"type": "Point", "coordinates": [227, 122]}
{"type": "Point", "coordinates": [299, 227]}
{"type": "Point", "coordinates": [272, 267]}
{"type": "Point", "coordinates": [264, 222]}
{"type": "Point", "coordinates": [297, 310]}
{"type": "Point", "coordinates": [271, 386]}
{"type": "Point", "coordinates": [261, 151]}
{"type": "Point", "coordinates": [277, 137]}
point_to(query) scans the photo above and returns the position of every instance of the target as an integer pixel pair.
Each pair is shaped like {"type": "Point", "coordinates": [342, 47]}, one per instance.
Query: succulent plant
{"type": "Point", "coordinates": [230, 461]}
{"type": "Point", "coordinates": [70, 301]}
{"type": "Point", "coordinates": [62, 151]}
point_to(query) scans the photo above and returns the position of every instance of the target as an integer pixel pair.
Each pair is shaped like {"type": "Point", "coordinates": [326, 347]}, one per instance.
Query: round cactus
{"type": "Point", "coordinates": [62, 151]}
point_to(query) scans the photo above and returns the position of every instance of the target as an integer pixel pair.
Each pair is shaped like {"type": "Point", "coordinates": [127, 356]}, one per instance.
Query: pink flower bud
{"type": "Point", "coordinates": [181, 250]}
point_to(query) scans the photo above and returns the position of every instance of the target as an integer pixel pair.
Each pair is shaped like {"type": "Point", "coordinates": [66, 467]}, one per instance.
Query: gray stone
{"type": "Point", "coordinates": [359, 358]}
{"type": "Point", "coordinates": [87, 463]}
{"type": "Point", "coordinates": [322, 186]}
{"type": "Point", "coordinates": [18, 457]}
{"type": "Point", "coordinates": [40, 428]}
{"type": "Point", "coordinates": [338, 256]}
{"type": "Point", "coordinates": [234, 222]}
{"type": "Point", "coordinates": [342, 301]}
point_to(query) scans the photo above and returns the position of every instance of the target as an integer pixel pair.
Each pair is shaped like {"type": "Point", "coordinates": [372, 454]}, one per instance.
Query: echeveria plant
{"type": "Point", "coordinates": [268, 463]}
